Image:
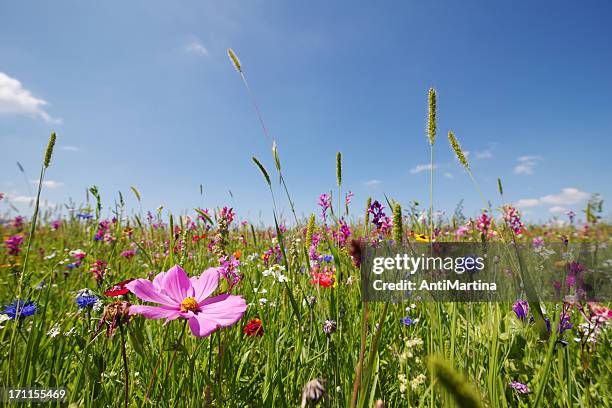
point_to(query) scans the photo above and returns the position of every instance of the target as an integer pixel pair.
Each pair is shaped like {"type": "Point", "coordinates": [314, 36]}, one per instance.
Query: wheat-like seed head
{"type": "Point", "coordinates": [398, 229]}
{"type": "Point", "coordinates": [275, 155]}
{"type": "Point", "coordinates": [49, 151]}
{"type": "Point", "coordinates": [234, 59]}
{"type": "Point", "coordinates": [339, 168]}
{"type": "Point", "coordinates": [431, 117]}
{"type": "Point", "coordinates": [457, 149]}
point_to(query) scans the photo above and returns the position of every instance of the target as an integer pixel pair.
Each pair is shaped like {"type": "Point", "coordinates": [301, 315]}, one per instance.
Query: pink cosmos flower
{"type": "Point", "coordinates": [182, 296]}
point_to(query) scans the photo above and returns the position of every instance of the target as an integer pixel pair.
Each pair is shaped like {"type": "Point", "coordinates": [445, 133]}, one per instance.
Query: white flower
{"type": "Point", "coordinates": [98, 306]}
{"type": "Point", "coordinates": [54, 330]}
{"type": "Point", "coordinates": [84, 292]}
{"type": "Point", "coordinates": [3, 318]}
{"type": "Point", "coordinates": [263, 301]}
{"type": "Point", "coordinates": [51, 255]}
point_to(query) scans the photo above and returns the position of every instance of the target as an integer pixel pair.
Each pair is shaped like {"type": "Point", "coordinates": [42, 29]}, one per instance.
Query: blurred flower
{"type": "Point", "coordinates": [537, 242]}
{"type": "Point", "coordinates": [329, 327]}
{"type": "Point", "coordinates": [519, 387]}
{"type": "Point", "coordinates": [118, 289]}
{"type": "Point", "coordinates": [313, 392]}
{"type": "Point", "coordinates": [325, 204]}
{"type": "Point", "coordinates": [13, 244]}
{"type": "Point", "coordinates": [128, 254]}
{"type": "Point", "coordinates": [84, 216]}
{"type": "Point", "coordinates": [422, 238]}
{"type": "Point", "coordinates": [98, 268]}
{"type": "Point", "coordinates": [115, 315]}
{"type": "Point", "coordinates": [86, 301]}
{"type": "Point", "coordinates": [521, 308]}
{"type": "Point", "coordinates": [513, 219]}
{"type": "Point", "coordinates": [20, 309]}
{"type": "Point", "coordinates": [253, 328]}
{"type": "Point", "coordinates": [407, 321]}
{"type": "Point", "coordinates": [324, 277]}
{"type": "Point", "coordinates": [182, 297]}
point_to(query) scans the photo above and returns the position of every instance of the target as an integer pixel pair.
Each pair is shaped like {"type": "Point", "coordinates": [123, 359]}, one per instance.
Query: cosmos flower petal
{"type": "Point", "coordinates": [201, 326]}
{"type": "Point", "coordinates": [176, 283]}
{"type": "Point", "coordinates": [155, 312]}
{"type": "Point", "coordinates": [158, 280]}
{"type": "Point", "coordinates": [224, 310]}
{"type": "Point", "coordinates": [205, 284]}
{"type": "Point", "coordinates": [146, 291]}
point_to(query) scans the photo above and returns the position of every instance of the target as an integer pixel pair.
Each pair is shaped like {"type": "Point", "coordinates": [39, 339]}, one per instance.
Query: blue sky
{"type": "Point", "coordinates": [142, 93]}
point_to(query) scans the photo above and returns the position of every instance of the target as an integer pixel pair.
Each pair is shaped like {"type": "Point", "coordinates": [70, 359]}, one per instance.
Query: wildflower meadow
{"type": "Point", "coordinates": [122, 306]}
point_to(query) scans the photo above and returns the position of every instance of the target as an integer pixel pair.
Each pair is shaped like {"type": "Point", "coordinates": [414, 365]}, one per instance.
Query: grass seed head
{"type": "Point", "coordinates": [49, 151]}
{"type": "Point", "coordinates": [431, 117]}
{"type": "Point", "coordinates": [457, 149]}
{"type": "Point", "coordinates": [234, 58]}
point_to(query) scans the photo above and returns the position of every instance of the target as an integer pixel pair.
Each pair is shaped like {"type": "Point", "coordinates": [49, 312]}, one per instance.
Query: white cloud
{"type": "Point", "coordinates": [527, 202]}
{"type": "Point", "coordinates": [29, 200]}
{"type": "Point", "coordinates": [196, 48]}
{"type": "Point", "coordinates": [70, 148]}
{"type": "Point", "coordinates": [372, 183]}
{"type": "Point", "coordinates": [49, 183]}
{"type": "Point", "coordinates": [557, 209]}
{"type": "Point", "coordinates": [567, 196]}
{"type": "Point", "coordinates": [421, 168]}
{"type": "Point", "coordinates": [526, 164]}
{"type": "Point", "coordinates": [449, 175]}
{"type": "Point", "coordinates": [15, 99]}
{"type": "Point", "coordinates": [485, 154]}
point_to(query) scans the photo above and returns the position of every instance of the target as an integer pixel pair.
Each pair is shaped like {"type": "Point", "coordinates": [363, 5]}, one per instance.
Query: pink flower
{"type": "Point", "coordinates": [182, 296]}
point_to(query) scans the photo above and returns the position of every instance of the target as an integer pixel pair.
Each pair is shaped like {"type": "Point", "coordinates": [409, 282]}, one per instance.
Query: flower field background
{"type": "Point", "coordinates": [125, 308]}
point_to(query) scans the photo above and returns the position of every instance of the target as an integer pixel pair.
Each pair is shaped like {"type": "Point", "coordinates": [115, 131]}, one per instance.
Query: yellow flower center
{"type": "Point", "coordinates": [189, 304]}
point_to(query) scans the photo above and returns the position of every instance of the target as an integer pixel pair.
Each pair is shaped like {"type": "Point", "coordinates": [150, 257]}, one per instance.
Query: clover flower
{"type": "Point", "coordinates": [519, 387]}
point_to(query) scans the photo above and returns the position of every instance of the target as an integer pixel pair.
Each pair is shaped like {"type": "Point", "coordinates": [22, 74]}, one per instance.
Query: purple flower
{"type": "Point", "coordinates": [537, 242]}
{"type": "Point", "coordinates": [86, 301]}
{"type": "Point", "coordinates": [407, 321]}
{"type": "Point", "coordinates": [348, 198]}
{"type": "Point", "coordinates": [521, 308]}
{"type": "Point", "coordinates": [229, 270]}
{"type": "Point", "coordinates": [564, 324]}
{"type": "Point", "coordinates": [20, 309]}
{"type": "Point", "coordinates": [519, 387]}
{"type": "Point", "coordinates": [13, 244]}
{"type": "Point", "coordinates": [325, 204]}
{"type": "Point", "coordinates": [128, 254]}
{"type": "Point", "coordinates": [513, 219]}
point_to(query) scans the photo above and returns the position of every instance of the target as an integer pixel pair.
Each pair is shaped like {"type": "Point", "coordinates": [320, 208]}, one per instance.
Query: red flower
{"type": "Point", "coordinates": [253, 328]}
{"type": "Point", "coordinates": [118, 289]}
{"type": "Point", "coordinates": [324, 279]}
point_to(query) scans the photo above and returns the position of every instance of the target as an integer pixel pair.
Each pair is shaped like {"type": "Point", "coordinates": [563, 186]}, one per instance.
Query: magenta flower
{"type": "Point", "coordinates": [188, 298]}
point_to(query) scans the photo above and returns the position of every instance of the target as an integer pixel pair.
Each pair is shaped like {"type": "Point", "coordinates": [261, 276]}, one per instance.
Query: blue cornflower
{"type": "Point", "coordinates": [26, 308]}
{"type": "Point", "coordinates": [85, 216]}
{"type": "Point", "coordinates": [86, 301]}
{"type": "Point", "coordinates": [328, 258]}
{"type": "Point", "coordinates": [407, 321]}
